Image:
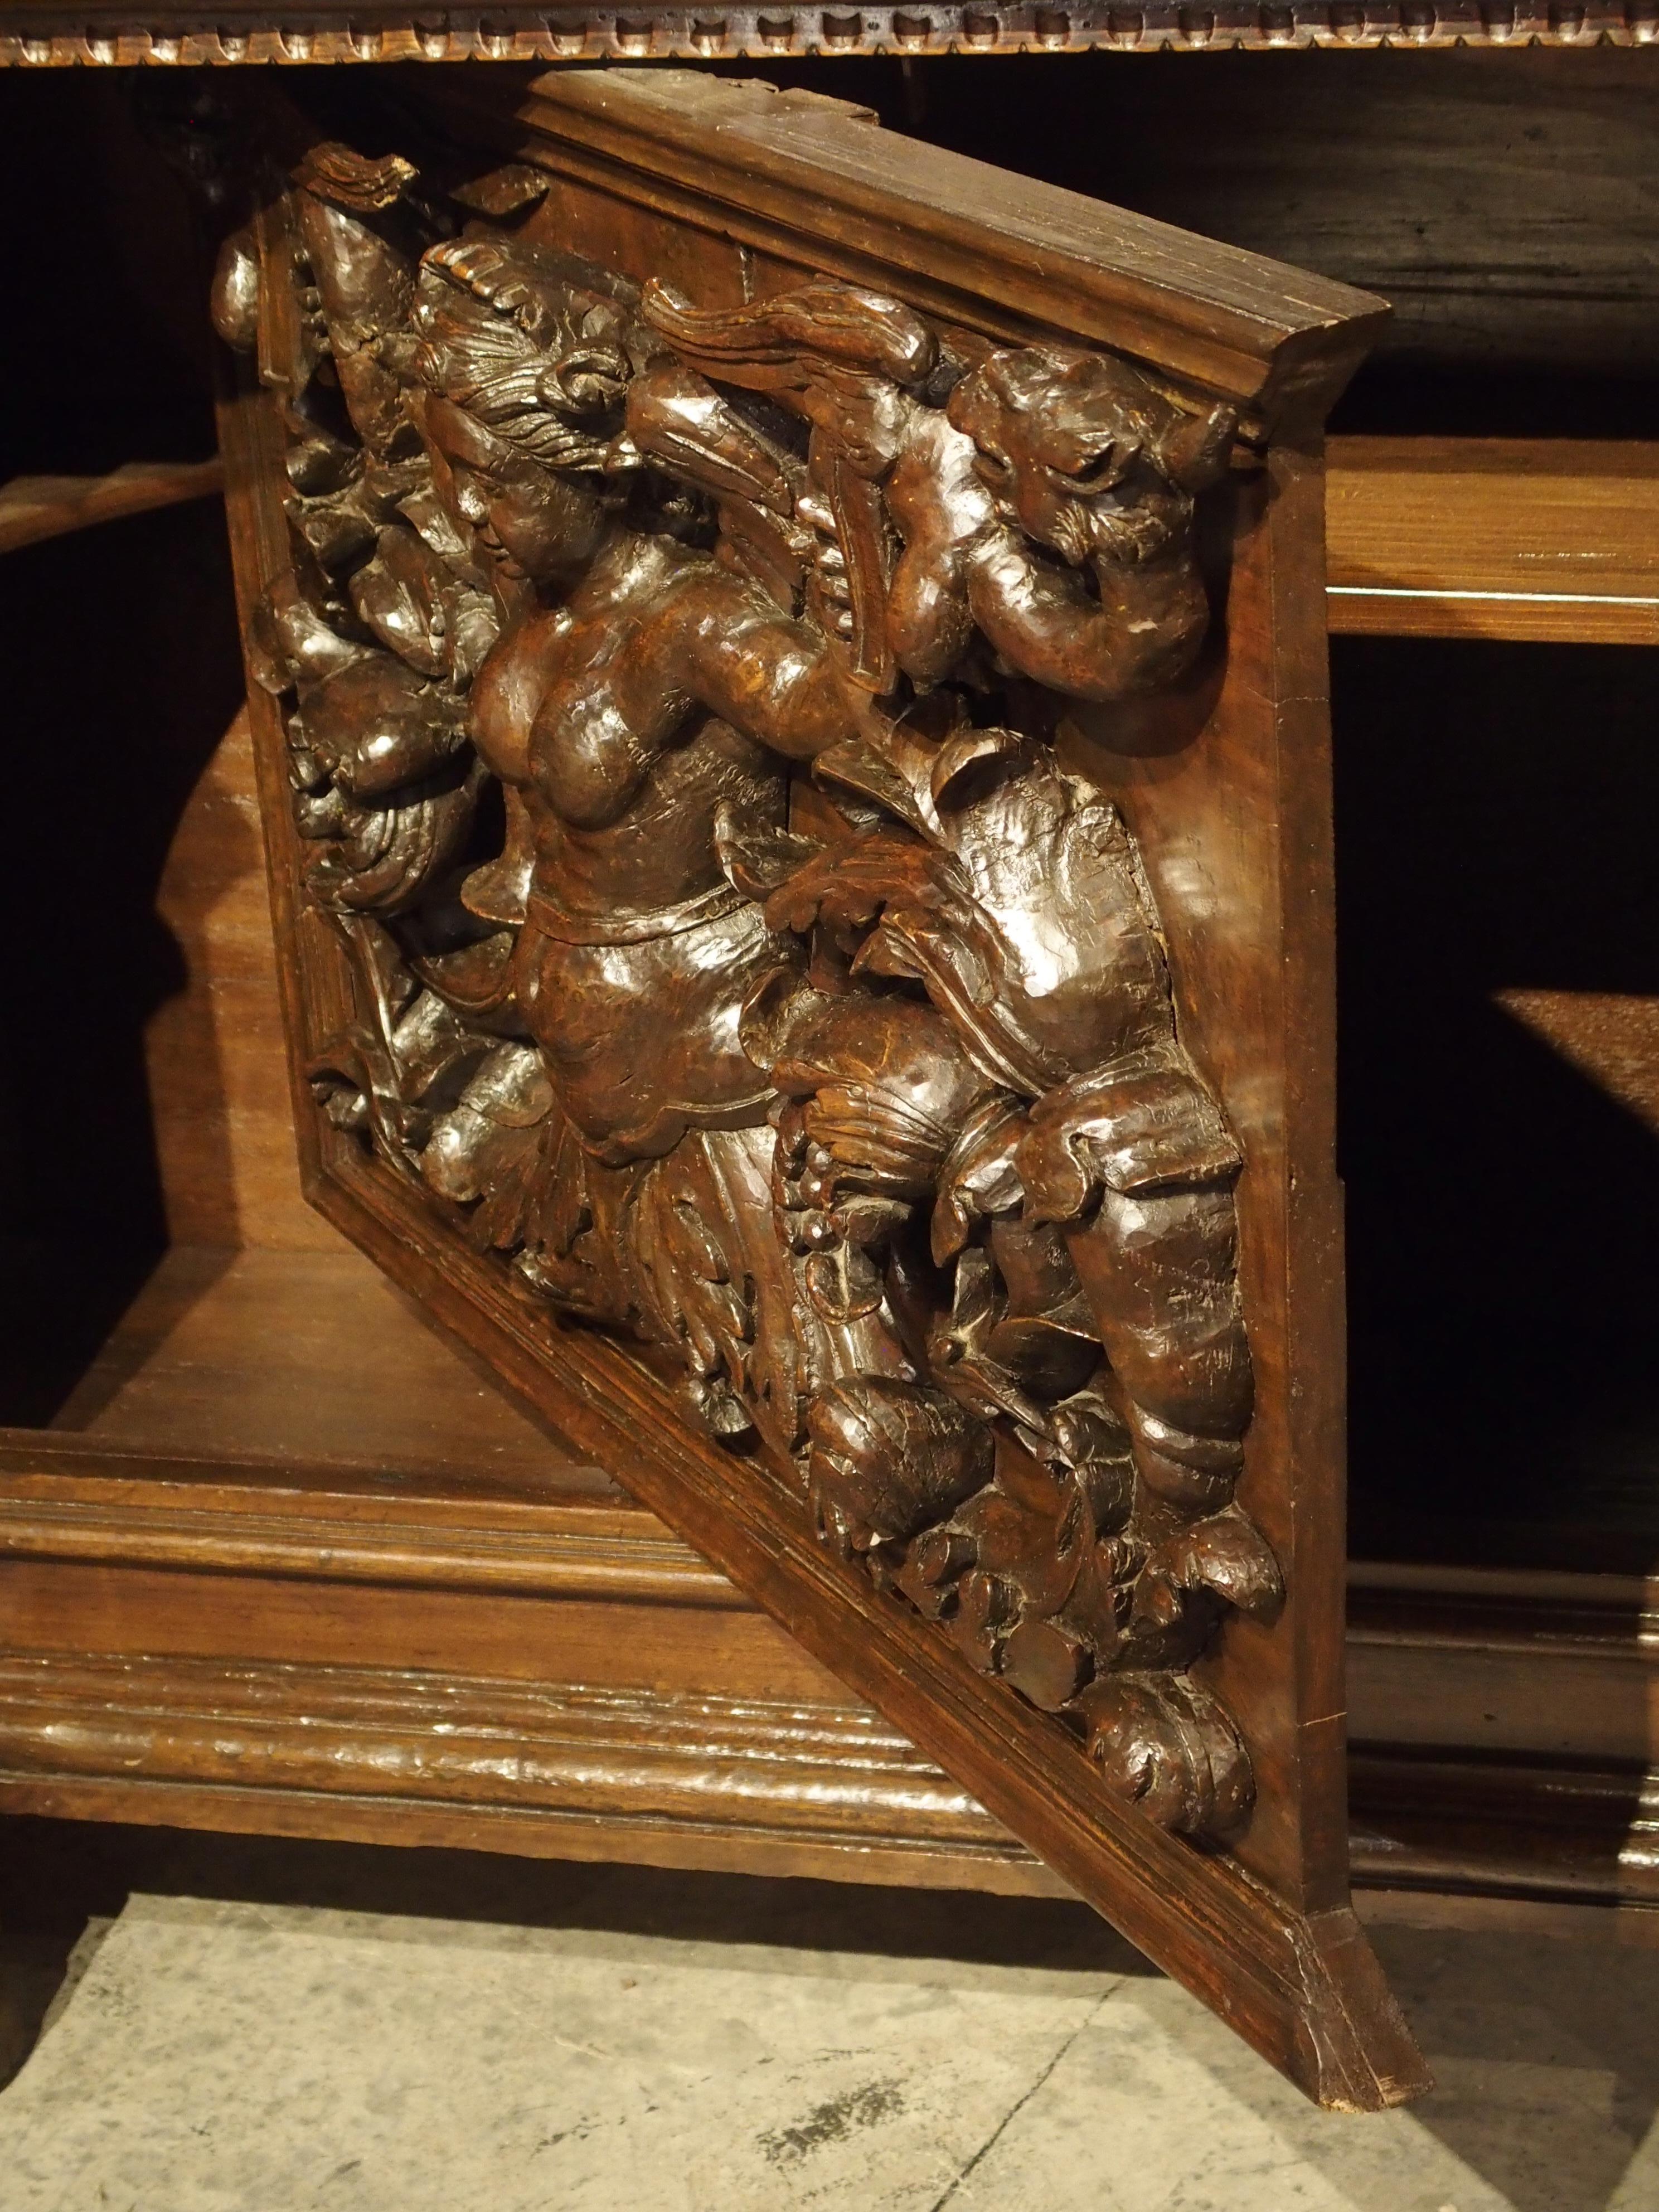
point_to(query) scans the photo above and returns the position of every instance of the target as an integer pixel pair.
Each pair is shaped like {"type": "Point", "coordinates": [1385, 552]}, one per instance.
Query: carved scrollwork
{"type": "Point", "coordinates": [874, 1110]}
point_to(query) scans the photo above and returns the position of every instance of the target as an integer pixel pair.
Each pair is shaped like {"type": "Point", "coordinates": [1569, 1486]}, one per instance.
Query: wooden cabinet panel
{"type": "Point", "coordinates": [788, 677]}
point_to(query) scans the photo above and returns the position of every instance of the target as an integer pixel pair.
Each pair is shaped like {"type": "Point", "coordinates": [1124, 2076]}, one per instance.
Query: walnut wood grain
{"type": "Point", "coordinates": [1502, 1720]}
{"type": "Point", "coordinates": [700, 1777]}
{"type": "Point", "coordinates": [737, 234]}
{"type": "Point", "coordinates": [575, 1770]}
{"type": "Point", "coordinates": [33, 508]}
{"type": "Point", "coordinates": [342, 1376]}
{"type": "Point", "coordinates": [1520, 538]}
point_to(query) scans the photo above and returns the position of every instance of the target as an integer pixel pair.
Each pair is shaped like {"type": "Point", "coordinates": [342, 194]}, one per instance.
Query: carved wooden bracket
{"type": "Point", "coordinates": [792, 674]}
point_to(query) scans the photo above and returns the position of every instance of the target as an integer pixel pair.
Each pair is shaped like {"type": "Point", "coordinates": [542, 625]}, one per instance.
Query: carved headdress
{"type": "Point", "coordinates": [539, 360]}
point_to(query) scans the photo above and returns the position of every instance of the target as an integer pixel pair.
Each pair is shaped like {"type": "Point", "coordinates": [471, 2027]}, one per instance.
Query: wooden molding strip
{"type": "Point", "coordinates": [1510, 1828]}
{"type": "Point", "coordinates": [554, 1771]}
{"type": "Point", "coordinates": [816, 181]}
{"type": "Point", "coordinates": [1498, 1666]}
{"type": "Point", "coordinates": [1475, 1773]}
{"type": "Point", "coordinates": [33, 508]}
{"type": "Point", "coordinates": [101, 33]}
{"type": "Point", "coordinates": [62, 1505]}
{"type": "Point", "coordinates": [674, 1779]}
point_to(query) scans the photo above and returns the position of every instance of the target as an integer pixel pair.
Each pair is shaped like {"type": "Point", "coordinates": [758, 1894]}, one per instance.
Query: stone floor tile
{"type": "Point", "coordinates": [230, 2056]}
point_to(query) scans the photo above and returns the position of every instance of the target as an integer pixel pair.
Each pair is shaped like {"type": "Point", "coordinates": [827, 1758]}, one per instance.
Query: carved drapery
{"type": "Point", "coordinates": [675, 700]}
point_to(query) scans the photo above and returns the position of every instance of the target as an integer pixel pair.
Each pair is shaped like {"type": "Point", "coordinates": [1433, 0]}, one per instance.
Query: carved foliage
{"type": "Point", "coordinates": [886, 1127]}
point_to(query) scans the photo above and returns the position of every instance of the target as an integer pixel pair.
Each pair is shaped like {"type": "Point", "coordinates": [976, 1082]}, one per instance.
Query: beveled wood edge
{"type": "Point", "coordinates": [102, 33]}
{"type": "Point", "coordinates": [819, 182]}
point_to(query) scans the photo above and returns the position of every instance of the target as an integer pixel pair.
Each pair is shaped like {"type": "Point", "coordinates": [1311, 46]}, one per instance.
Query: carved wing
{"type": "Point", "coordinates": [846, 361]}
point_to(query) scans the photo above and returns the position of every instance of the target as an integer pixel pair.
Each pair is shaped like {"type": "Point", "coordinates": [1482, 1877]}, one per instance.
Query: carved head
{"type": "Point", "coordinates": [526, 375]}
{"type": "Point", "coordinates": [1082, 455]}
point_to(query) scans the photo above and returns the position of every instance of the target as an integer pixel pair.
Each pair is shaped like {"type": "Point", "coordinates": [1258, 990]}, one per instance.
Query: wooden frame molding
{"type": "Point", "coordinates": [103, 35]}
{"type": "Point", "coordinates": [1472, 1777]}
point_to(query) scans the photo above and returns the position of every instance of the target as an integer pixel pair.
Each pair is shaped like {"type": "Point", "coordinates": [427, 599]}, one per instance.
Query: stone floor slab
{"type": "Point", "coordinates": [223, 2056]}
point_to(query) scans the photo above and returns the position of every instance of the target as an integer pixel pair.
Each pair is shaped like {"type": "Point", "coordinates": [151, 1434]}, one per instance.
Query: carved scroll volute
{"type": "Point", "coordinates": [890, 1139]}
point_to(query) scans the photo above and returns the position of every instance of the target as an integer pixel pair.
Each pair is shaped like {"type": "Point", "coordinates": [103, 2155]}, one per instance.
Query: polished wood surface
{"type": "Point", "coordinates": [1269, 1926]}
{"type": "Point", "coordinates": [191, 1561]}
{"type": "Point", "coordinates": [344, 1648]}
{"type": "Point", "coordinates": [339, 1375]}
{"type": "Point", "coordinates": [1519, 538]}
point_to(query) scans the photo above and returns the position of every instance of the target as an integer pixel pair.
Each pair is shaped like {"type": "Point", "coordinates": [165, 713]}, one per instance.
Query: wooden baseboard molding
{"type": "Point", "coordinates": [400, 1757]}
{"type": "Point", "coordinates": [701, 1782]}
{"type": "Point", "coordinates": [337, 1655]}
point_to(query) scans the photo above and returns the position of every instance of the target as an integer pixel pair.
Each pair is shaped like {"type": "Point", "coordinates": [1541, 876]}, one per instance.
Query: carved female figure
{"type": "Point", "coordinates": [637, 953]}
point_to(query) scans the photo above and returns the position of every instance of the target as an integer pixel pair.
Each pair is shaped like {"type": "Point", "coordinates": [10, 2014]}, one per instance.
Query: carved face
{"type": "Point", "coordinates": [526, 376]}
{"type": "Point", "coordinates": [1082, 454]}
{"type": "Point", "coordinates": [529, 520]}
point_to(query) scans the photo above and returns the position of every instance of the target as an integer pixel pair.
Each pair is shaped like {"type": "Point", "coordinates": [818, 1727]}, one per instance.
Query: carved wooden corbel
{"type": "Point", "coordinates": [804, 864]}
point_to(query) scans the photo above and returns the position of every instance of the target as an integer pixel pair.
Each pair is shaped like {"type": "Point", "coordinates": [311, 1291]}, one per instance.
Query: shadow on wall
{"type": "Point", "coordinates": [1498, 949]}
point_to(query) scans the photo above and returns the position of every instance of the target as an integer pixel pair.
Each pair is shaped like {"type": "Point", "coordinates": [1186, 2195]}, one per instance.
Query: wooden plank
{"type": "Point", "coordinates": [1517, 538]}
{"type": "Point", "coordinates": [33, 508]}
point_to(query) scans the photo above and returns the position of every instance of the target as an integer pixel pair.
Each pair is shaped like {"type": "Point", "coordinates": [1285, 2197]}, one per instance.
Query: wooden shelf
{"type": "Point", "coordinates": [1526, 539]}
{"type": "Point", "coordinates": [36, 508]}
{"type": "Point", "coordinates": [304, 1360]}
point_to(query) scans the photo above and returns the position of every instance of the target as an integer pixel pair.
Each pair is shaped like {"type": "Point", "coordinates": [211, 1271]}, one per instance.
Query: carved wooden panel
{"type": "Point", "coordinates": [790, 676]}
